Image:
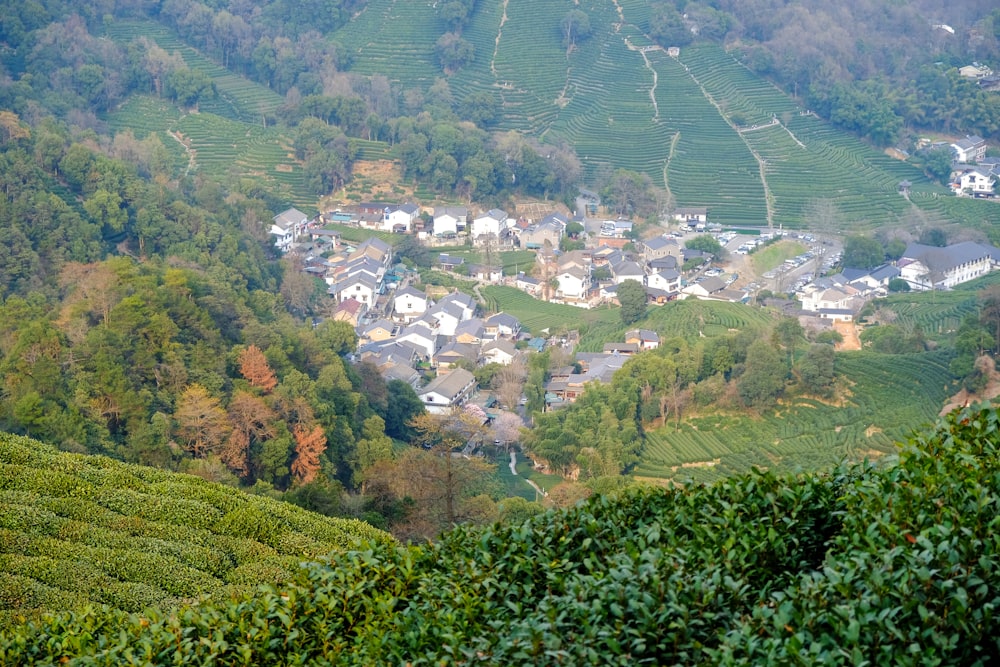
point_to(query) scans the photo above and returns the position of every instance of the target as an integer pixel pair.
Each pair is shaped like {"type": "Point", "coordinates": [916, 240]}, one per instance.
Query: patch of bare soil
{"type": "Point", "coordinates": [371, 180]}
{"type": "Point", "coordinates": [896, 153]}
{"type": "Point", "coordinates": [849, 332]}
{"type": "Point", "coordinates": [697, 464]}
{"type": "Point", "coordinates": [535, 209]}
{"type": "Point", "coordinates": [965, 397]}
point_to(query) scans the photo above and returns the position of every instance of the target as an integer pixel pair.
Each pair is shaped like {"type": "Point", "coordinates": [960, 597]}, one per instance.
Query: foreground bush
{"type": "Point", "coordinates": [896, 565]}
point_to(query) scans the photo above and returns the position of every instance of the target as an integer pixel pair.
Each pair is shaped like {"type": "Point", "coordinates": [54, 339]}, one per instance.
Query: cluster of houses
{"type": "Point", "coordinates": [445, 336]}
{"type": "Point", "coordinates": [973, 174]}
{"type": "Point", "coordinates": [923, 267]}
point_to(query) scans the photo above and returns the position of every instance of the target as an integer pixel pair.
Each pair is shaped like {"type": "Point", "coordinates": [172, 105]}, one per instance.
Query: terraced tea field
{"type": "Point", "coordinates": [701, 124]}
{"type": "Point", "coordinates": [866, 422]}
{"type": "Point", "coordinates": [225, 139]}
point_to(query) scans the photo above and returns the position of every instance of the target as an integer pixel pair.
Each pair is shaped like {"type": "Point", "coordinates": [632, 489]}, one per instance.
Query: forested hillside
{"type": "Point", "coordinates": [890, 566]}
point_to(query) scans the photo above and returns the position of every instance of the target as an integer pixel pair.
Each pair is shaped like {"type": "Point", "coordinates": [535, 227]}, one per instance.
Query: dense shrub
{"type": "Point", "coordinates": [893, 565]}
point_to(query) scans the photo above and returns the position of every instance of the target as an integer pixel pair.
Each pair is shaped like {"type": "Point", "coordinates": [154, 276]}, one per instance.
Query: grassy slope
{"type": "Point", "coordinates": [78, 530]}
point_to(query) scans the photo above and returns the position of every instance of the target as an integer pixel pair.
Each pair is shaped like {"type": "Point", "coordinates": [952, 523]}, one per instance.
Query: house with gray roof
{"type": "Point", "coordinates": [287, 226]}
{"type": "Point", "coordinates": [448, 391]}
{"type": "Point", "coordinates": [450, 220]}
{"type": "Point", "coordinates": [399, 218]}
{"type": "Point", "coordinates": [408, 304]}
{"type": "Point", "coordinates": [970, 149]}
{"type": "Point", "coordinates": [930, 267]}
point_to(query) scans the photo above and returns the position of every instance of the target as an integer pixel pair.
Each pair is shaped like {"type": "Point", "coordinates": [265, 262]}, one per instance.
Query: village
{"type": "Point", "coordinates": [433, 342]}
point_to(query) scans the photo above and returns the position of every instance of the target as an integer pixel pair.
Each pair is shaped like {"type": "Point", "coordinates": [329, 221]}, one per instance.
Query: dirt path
{"type": "Point", "coordinates": [964, 397]}
{"type": "Point", "coordinates": [761, 162]}
{"type": "Point", "coordinates": [849, 331]}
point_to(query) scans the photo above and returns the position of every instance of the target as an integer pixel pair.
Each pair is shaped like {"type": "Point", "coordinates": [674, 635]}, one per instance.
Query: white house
{"type": "Point", "coordinates": [930, 267]}
{"type": "Point", "coordinates": [691, 215]}
{"type": "Point", "coordinates": [970, 149]}
{"type": "Point", "coordinates": [975, 181]}
{"type": "Point", "coordinates": [450, 220]}
{"type": "Point", "coordinates": [399, 218]}
{"type": "Point", "coordinates": [408, 304]}
{"type": "Point", "coordinates": [448, 391]}
{"type": "Point", "coordinates": [835, 298]}
{"type": "Point", "coordinates": [500, 352]}
{"type": "Point", "coordinates": [361, 287]}
{"type": "Point", "coordinates": [503, 325]}
{"type": "Point", "coordinates": [465, 302]}
{"type": "Point", "coordinates": [628, 270]}
{"type": "Point", "coordinates": [421, 337]}
{"type": "Point", "coordinates": [527, 284]}
{"type": "Point", "coordinates": [287, 226]}
{"type": "Point", "coordinates": [574, 283]}
{"type": "Point", "coordinates": [493, 222]}
{"type": "Point", "coordinates": [668, 280]}
{"type": "Point", "coordinates": [645, 339]}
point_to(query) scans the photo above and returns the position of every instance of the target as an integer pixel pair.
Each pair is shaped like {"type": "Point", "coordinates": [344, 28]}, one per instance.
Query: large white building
{"type": "Point", "coordinates": [930, 267]}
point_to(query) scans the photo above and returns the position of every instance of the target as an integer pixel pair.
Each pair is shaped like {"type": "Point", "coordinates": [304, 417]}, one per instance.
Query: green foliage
{"type": "Point", "coordinates": [81, 529]}
{"type": "Point", "coordinates": [891, 564]}
{"type": "Point", "coordinates": [632, 297]}
{"type": "Point", "coordinates": [898, 285]}
{"type": "Point", "coordinates": [707, 244]}
{"type": "Point", "coordinates": [862, 252]}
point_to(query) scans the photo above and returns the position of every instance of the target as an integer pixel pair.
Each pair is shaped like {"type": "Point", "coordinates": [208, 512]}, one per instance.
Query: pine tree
{"type": "Point", "coordinates": [309, 446]}
{"type": "Point", "coordinates": [254, 367]}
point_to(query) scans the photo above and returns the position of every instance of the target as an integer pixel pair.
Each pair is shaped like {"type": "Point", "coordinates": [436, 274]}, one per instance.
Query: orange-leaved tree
{"type": "Point", "coordinates": [255, 368]}
{"type": "Point", "coordinates": [309, 446]}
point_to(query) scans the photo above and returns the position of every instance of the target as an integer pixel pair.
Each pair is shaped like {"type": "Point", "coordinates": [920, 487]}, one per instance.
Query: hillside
{"type": "Point", "coordinates": [702, 126]}
{"type": "Point", "coordinates": [699, 124]}
{"type": "Point", "coordinates": [80, 530]}
{"type": "Point", "coordinates": [890, 565]}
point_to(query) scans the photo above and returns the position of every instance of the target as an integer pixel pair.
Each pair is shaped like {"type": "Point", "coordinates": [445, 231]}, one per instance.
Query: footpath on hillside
{"type": "Point", "coordinates": [513, 471]}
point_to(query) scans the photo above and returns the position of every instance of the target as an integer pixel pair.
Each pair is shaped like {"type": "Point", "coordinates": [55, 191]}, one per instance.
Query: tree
{"type": "Point", "coordinates": [373, 446]}
{"type": "Point", "coordinates": [255, 368]}
{"type": "Point", "coordinates": [337, 336]}
{"type": "Point", "coordinates": [898, 285]}
{"type": "Point", "coordinates": [453, 52]}
{"type": "Point", "coordinates": [862, 252]}
{"type": "Point", "coordinates": [937, 163]}
{"type": "Point", "coordinates": [706, 243]}
{"type": "Point", "coordinates": [402, 406]}
{"type": "Point", "coordinates": [632, 297]}
{"type": "Point", "coordinates": [507, 428]}
{"type": "Point", "coordinates": [816, 369]}
{"type": "Point", "coordinates": [763, 377]}
{"type": "Point", "coordinates": [442, 435]}
{"type": "Point", "coordinates": [788, 333]}
{"type": "Point", "coordinates": [934, 236]}
{"type": "Point", "coordinates": [251, 420]}
{"type": "Point", "coordinates": [509, 384]}
{"type": "Point", "coordinates": [482, 108]}
{"type": "Point", "coordinates": [575, 26]}
{"type": "Point", "coordinates": [310, 443]}
{"type": "Point", "coordinates": [189, 86]}
{"type": "Point", "coordinates": [202, 425]}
